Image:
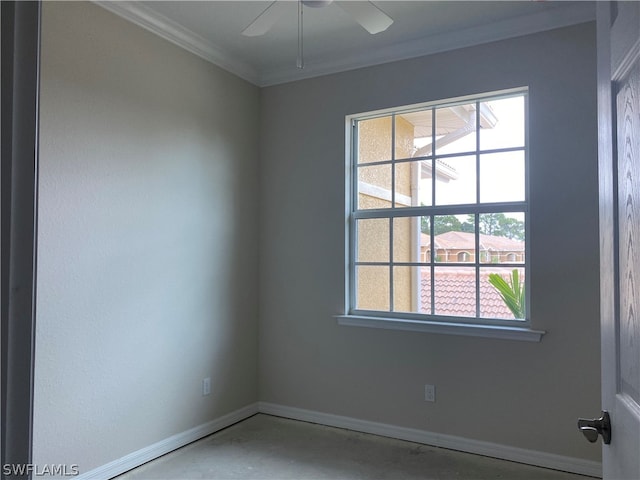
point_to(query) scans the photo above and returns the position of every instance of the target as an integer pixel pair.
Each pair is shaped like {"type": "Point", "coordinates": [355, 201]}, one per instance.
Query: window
{"type": "Point", "coordinates": [464, 257]}
{"type": "Point", "coordinates": [438, 204]}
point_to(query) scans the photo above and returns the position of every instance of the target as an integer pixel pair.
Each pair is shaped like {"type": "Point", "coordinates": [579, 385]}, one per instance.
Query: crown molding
{"type": "Point", "coordinates": [569, 13]}
{"type": "Point", "coordinates": [562, 16]}
{"type": "Point", "coordinates": [144, 17]}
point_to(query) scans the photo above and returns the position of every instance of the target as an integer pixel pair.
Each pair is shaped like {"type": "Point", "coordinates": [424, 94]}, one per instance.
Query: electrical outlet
{"type": "Point", "coordinates": [206, 386]}
{"type": "Point", "coordinates": [429, 393]}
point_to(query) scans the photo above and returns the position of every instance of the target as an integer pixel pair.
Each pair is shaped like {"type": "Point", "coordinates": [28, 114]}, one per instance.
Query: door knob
{"type": "Point", "coordinates": [592, 427]}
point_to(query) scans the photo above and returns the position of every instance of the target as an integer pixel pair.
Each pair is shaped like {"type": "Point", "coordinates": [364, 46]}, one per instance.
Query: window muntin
{"type": "Point", "coordinates": [452, 175]}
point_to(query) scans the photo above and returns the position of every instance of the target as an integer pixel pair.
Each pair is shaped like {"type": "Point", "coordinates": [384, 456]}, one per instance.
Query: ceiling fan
{"type": "Point", "coordinates": [370, 17]}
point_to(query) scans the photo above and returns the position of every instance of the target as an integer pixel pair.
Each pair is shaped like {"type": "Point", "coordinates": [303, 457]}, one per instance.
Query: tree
{"type": "Point", "coordinates": [468, 226]}
{"type": "Point", "coordinates": [489, 223]}
{"type": "Point", "coordinates": [499, 225]}
{"type": "Point", "coordinates": [446, 223]}
{"type": "Point", "coordinates": [512, 228]}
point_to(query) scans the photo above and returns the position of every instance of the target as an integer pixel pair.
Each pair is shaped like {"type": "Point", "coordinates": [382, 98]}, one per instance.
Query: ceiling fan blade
{"type": "Point", "coordinates": [370, 17]}
{"type": "Point", "coordinates": [267, 19]}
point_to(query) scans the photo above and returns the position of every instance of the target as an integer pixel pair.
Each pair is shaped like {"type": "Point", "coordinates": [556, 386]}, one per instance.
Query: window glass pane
{"type": "Point", "coordinates": [425, 240]}
{"type": "Point", "coordinates": [425, 183]}
{"type": "Point", "coordinates": [405, 240]}
{"type": "Point", "coordinates": [374, 140]}
{"type": "Point", "coordinates": [502, 177]}
{"type": "Point", "coordinates": [425, 291]}
{"type": "Point", "coordinates": [413, 134]}
{"type": "Point", "coordinates": [373, 240]}
{"type": "Point", "coordinates": [492, 303]}
{"type": "Point", "coordinates": [411, 240]}
{"type": "Point", "coordinates": [456, 129]}
{"type": "Point", "coordinates": [455, 291]}
{"type": "Point", "coordinates": [405, 288]}
{"type": "Point", "coordinates": [454, 236]}
{"type": "Point", "coordinates": [502, 123]}
{"type": "Point", "coordinates": [374, 187]}
{"type": "Point", "coordinates": [502, 237]}
{"type": "Point", "coordinates": [456, 180]}
{"type": "Point", "coordinates": [404, 193]}
{"type": "Point", "coordinates": [411, 289]}
{"type": "Point", "coordinates": [413, 184]}
{"type": "Point", "coordinates": [372, 288]}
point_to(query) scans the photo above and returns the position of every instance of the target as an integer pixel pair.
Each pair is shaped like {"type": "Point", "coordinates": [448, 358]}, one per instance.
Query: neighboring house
{"type": "Point", "coordinates": [454, 247]}
{"type": "Point", "coordinates": [454, 292]}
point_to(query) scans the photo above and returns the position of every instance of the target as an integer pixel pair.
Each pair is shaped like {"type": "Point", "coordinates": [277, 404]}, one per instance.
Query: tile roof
{"type": "Point", "coordinates": [455, 294]}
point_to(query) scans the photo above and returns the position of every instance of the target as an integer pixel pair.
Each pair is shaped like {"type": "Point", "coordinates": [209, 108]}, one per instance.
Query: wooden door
{"type": "Point", "coordinates": [619, 171]}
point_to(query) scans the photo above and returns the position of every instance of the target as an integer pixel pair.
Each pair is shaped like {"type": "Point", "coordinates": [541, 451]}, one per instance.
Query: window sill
{"type": "Point", "coordinates": [446, 328]}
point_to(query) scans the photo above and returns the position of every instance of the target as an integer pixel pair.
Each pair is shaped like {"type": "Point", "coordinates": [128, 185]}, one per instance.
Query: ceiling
{"type": "Point", "coordinates": [333, 41]}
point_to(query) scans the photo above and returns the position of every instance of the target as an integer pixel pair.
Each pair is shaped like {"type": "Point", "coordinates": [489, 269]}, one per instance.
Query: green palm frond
{"type": "Point", "coordinates": [512, 292]}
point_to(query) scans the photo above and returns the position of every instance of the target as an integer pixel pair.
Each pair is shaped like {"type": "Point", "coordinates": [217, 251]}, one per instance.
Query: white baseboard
{"type": "Point", "coordinates": [135, 459]}
{"type": "Point", "coordinates": [504, 452]}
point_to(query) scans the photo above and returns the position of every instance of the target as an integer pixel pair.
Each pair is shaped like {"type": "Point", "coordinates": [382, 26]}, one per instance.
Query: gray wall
{"type": "Point", "coordinates": [147, 263]}
{"type": "Point", "coordinates": [527, 395]}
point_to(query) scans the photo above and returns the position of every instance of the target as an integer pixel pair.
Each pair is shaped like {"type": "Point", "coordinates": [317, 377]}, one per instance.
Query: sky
{"type": "Point", "coordinates": [501, 174]}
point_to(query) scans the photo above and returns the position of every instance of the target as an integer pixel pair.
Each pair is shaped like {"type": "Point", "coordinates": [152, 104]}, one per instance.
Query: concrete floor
{"type": "Point", "coordinates": [265, 447]}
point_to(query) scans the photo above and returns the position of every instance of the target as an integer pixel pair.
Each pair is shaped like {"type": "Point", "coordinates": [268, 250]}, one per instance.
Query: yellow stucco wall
{"type": "Point", "coordinates": [375, 145]}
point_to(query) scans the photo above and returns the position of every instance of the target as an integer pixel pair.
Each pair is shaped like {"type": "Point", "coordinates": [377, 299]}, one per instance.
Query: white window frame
{"type": "Point", "coordinates": [516, 329]}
